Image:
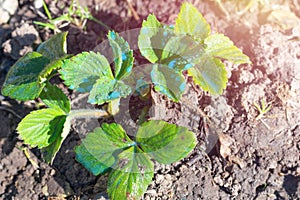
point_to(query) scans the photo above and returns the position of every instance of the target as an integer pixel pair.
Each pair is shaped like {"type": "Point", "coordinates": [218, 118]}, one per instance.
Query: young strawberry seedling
{"type": "Point", "coordinates": [187, 46]}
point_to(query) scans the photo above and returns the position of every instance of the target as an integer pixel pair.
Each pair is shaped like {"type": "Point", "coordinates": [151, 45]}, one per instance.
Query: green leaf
{"type": "Point", "coordinates": [50, 151]}
{"type": "Point", "coordinates": [96, 152]}
{"type": "Point", "coordinates": [181, 53]}
{"type": "Point", "coordinates": [168, 82]}
{"type": "Point", "coordinates": [210, 75]}
{"type": "Point", "coordinates": [191, 22]}
{"type": "Point", "coordinates": [53, 97]}
{"type": "Point", "coordinates": [131, 175]}
{"type": "Point", "coordinates": [50, 68]}
{"type": "Point", "coordinates": [22, 80]}
{"type": "Point", "coordinates": [166, 143]}
{"type": "Point", "coordinates": [40, 128]}
{"type": "Point", "coordinates": [107, 89]}
{"type": "Point", "coordinates": [220, 46]}
{"type": "Point", "coordinates": [123, 55]}
{"type": "Point", "coordinates": [159, 41]}
{"type": "Point", "coordinates": [82, 71]}
{"type": "Point", "coordinates": [55, 47]}
{"type": "Point", "coordinates": [150, 28]}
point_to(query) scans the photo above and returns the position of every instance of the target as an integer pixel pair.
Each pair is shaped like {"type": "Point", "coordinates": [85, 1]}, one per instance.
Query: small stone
{"type": "Point", "coordinates": [151, 192]}
{"type": "Point", "coordinates": [159, 178]}
{"type": "Point", "coordinates": [218, 180]}
{"type": "Point", "coordinates": [4, 16]}
{"type": "Point", "coordinates": [7, 8]}
{"type": "Point", "coordinates": [38, 4]}
{"type": "Point", "coordinates": [9, 5]}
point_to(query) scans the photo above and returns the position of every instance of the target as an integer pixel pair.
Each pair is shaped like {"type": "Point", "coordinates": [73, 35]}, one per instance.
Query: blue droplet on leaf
{"type": "Point", "coordinates": [182, 87]}
{"type": "Point", "coordinates": [129, 68]}
{"type": "Point", "coordinates": [113, 35]}
{"type": "Point", "coordinates": [172, 64]}
{"type": "Point", "coordinates": [187, 66]}
{"type": "Point", "coordinates": [145, 31]}
{"type": "Point", "coordinates": [81, 90]}
{"type": "Point", "coordinates": [89, 87]}
{"type": "Point", "coordinates": [92, 101]}
{"type": "Point", "coordinates": [114, 95]}
{"type": "Point", "coordinates": [124, 56]}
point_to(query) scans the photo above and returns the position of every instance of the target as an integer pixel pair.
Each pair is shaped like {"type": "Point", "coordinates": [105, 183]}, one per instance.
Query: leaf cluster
{"type": "Point", "coordinates": [187, 46]}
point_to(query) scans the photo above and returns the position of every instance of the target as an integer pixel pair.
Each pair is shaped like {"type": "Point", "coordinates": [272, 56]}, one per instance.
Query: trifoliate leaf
{"type": "Point", "coordinates": [150, 28]}
{"type": "Point", "coordinates": [210, 75]}
{"type": "Point", "coordinates": [107, 89]}
{"type": "Point", "coordinates": [191, 22]}
{"type": "Point", "coordinates": [131, 176]}
{"type": "Point", "coordinates": [40, 128]}
{"type": "Point", "coordinates": [168, 81]}
{"type": "Point", "coordinates": [220, 46]}
{"type": "Point", "coordinates": [50, 151]}
{"type": "Point", "coordinates": [82, 71]}
{"type": "Point", "coordinates": [22, 81]}
{"type": "Point", "coordinates": [53, 97]}
{"type": "Point", "coordinates": [55, 47]}
{"type": "Point", "coordinates": [123, 55]}
{"type": "Point", "coordinates": [181, 53]}
{"type": "Point", "coordinates": [166, 143]}
{"type": "Point", "coordinates": [96, 152]}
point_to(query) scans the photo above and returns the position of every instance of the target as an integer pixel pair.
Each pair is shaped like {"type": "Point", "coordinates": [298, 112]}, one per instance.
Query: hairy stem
{"type": "Point", "coordinates": [88, 113]}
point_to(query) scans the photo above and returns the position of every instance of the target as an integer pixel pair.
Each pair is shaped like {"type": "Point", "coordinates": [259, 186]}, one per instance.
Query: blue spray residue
{"type": "Point", "coordinates": [177, 79]}
{"type": "Point", "coordinates": [81, 90]}
{"type": "Point", "coordinates": [145, 31]}
{"type": "Point", "coordinates": [153, 75]}
{"type": "Point", "coordinates": [129, 68]}
{"type": "Point", "coordinates": [92, 101]}
{"type": "Point", "coordinates": [172, 64]}
{"type": "Point", "coordinates": [187, 66]}
{"type": "Point", "coordinates": [161, 89]}
{"type": "Point", "coordinates": [86, 80]}
{"type": "Point", "coordinates": [89, 87]}
{"type": "Point", "coordinates": [124, 56]}
{"type": "Point", "coordinates": [182, 87]}
{"type": "Point", "coordinates": [113, 35]}
{"type": "Point", "coordinates": [114, 95]}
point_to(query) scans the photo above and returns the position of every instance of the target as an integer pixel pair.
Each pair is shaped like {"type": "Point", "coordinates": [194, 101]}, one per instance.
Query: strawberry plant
{"type": "Point", "coordinates": [187, 46]}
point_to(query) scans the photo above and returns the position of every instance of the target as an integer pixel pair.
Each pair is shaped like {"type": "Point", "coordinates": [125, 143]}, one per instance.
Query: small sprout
{"type": "Point", "coordinates": [76, 14]}
{"type": "Point", "coordinates": [263, 108]}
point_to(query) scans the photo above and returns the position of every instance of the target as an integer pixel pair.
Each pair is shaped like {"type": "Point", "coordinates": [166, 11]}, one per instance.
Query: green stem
{"type": "Point", "coordinates": [88, 113]}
